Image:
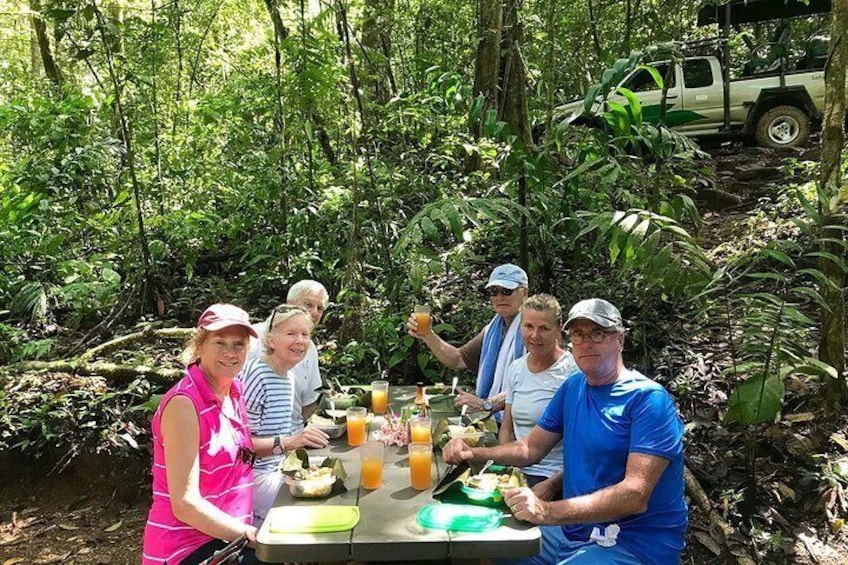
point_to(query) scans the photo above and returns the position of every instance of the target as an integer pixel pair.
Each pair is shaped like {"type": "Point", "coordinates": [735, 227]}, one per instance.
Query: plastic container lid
{"type": "Point", "coordinates": [459, 517]}
{"type": "Point", "coordinates": [311, 519]}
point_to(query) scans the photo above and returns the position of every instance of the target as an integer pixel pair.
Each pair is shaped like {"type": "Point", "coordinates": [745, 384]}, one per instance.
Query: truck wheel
{"type": "Point", "coordinates": [783, 126]}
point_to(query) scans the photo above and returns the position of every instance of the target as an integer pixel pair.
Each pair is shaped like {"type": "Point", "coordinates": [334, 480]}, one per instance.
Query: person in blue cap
{"type": "Point", "coordinates": [491, 351]}
{"type": "Point", "coordinates": [619, 499]}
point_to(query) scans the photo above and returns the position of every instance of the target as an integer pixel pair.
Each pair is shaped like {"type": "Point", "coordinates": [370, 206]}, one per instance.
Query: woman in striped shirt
{"type": "Point", "coordinates": [202, 449]}
{"type": "Point", "coordinates": [268, 395]}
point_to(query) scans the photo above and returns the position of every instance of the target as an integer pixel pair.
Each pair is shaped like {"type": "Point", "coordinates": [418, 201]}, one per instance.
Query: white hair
{"type": "Point", "coordinates": [300, 288]}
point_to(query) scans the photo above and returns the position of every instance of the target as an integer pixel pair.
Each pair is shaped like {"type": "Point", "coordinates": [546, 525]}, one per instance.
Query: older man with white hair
{"type": "Point", "coordinates": [313, 297]}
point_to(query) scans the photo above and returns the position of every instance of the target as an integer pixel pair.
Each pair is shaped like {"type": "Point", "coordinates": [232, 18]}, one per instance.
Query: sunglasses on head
{"type": "Point", "coordinates": [493, 291]}
{"type": "Point", "coordinates": [282, 309]}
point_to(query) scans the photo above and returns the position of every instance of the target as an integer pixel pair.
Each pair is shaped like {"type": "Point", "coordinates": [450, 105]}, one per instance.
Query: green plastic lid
{"type": "Point", "coordinates": [459, 517]}
{"type": "Point", "coordinates": [312, 519]}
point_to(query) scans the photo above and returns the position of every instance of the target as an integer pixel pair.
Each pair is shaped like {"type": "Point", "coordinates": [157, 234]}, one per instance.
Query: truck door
{"type": "Point", "coordinates": [642, 83]}
{"type": "Point", "coordinates": [702, 110]}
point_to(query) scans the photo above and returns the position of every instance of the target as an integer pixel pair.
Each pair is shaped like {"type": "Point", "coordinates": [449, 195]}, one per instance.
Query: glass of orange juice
{"type": "Point", "coordinates": [422, 318]}
{"type": "Point", "coordinates": [379, 396]}
{"type": "Point", "coordinates": [419, 430]}
{"type": "Point", "coordinates": [420, 464]}
{"type": "Point", "coordinates": [372, 464]}
{"type": "Point", "coordinates": [356, 417]}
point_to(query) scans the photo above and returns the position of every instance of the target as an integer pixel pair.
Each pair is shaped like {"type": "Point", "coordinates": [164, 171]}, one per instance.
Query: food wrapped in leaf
{"type": "Point", "coordinates": [311, 477]}
{"type": "Point", "coordinates": [443, 403]}
{"type": "Point", "coordinates": [490, 485]}
{"type": "Point", "coordinates": [331, 422]}
{"type": "Point", "coordinates": [470, 431]}
{"type": "Point", "coordinates": [339, 397]}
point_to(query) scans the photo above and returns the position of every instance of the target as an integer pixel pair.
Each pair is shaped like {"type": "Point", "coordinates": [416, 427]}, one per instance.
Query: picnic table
{"type": "Point", "coordinates": [388, 529]}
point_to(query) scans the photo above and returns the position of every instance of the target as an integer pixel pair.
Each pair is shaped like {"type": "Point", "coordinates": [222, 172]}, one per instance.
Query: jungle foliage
{"type": "Point", "coordinates": [157, 157]}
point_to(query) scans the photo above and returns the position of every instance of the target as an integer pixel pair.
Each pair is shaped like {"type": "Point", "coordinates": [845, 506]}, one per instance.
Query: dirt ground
{"type": "Point", "coordinates": [92, 513]}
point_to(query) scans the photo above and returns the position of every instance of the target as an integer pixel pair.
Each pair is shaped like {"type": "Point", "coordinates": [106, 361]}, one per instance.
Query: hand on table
{"type": "Point", "coordinates": [467, 399]}
{"type": "Point", "coordinates": [313, 438]}
{"type": "Point", "coordinates": [525, 505]}
{"type": "Point", "coordinates": [456, 451]}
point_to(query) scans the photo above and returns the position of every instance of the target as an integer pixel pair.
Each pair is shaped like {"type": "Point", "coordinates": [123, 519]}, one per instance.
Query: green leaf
{"type": "Point", "coordinates": [634, 106]}
{"type": "Point", "coordinates": [813, 366]}
{"type": "Point", "coordinates": [423, 359]}
{"type": "Point", "coordinates": [769, 276]}
{"type": "Point", "coordinates": [838, 261]}
{"type": "Point", "coordinates": [591, 96]}
{"type": "Point", "coordinates": [654, 73]}
{"type": "Point", "coordinates": [157, 249]}
{"type": "Point", "coordinates": [396, 358]}
{"type": "Point", "coordinates": [111, 276]}
{"type": "Point", "coordinates": [757, 400]}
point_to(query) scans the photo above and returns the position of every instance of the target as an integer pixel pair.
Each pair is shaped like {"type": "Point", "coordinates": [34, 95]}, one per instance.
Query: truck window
{"type": "Point", "coordinates": [697, 73]}
{"type": "Point", "coordinates": [642, 81]}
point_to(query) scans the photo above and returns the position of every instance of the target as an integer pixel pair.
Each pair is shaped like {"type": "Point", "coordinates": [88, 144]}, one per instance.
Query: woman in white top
{"type": "Point", "coordinates": [532, 380]}
{"type": "Point", "coordinates": [269, 394]}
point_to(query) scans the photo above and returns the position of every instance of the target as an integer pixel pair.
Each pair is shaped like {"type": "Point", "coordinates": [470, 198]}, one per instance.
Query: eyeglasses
{"type": "Point", "coordinates": [595, 336]}
{"type": "Point", "coordinates": [245, 455]}
{"type": "Point", "coordinates": [494, 291]}
{"type": "Point", "coordinates": [282, 309]}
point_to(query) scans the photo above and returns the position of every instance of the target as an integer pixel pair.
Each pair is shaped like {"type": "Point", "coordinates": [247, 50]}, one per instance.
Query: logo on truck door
{"type": "Point", "coordinates": [673, 118]}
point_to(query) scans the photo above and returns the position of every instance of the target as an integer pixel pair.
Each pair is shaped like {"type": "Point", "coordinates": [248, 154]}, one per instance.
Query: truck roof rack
{"type": "Point", "coordinates": [751, 11]}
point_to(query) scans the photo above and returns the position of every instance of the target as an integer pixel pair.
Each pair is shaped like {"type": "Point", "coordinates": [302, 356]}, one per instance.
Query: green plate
{"type": "Point", "coordinates": [459, 517]}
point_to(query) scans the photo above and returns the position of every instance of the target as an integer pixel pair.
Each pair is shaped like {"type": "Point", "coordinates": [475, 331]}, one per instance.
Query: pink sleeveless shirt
{"type": "Point", "coordinates": [225, 480]}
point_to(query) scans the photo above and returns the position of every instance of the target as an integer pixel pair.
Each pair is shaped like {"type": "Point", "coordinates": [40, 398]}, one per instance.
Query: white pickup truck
{"type": "Point", "coordinates": [776, 111]}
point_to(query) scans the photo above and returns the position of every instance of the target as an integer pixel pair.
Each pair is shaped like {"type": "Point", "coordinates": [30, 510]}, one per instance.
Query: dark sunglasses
{"type": "Point", "coordinates": [493, 291]}
{"type": "Point", "coordinates": [246, 455]}
{"type": "Point", "coordinates": [282, 310]}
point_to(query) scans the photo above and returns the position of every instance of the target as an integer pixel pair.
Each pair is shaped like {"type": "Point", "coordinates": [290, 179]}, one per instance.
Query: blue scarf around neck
{"type": "Point", "coordinates": [492, 340]}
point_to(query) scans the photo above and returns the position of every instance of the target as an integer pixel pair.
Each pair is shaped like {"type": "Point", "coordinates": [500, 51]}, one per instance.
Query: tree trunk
{"type": "Point", "coordinates": [352, 281]}
{"type": "Point", "coordinates": [514, 85]}
{"type": "Point", "coordinates": [487, 62]}
{"type": "Point", "coordinates": [377, 46]}
{"type": "Point", "coordinates": [832, 339]}
{"type": "Point", "coordinates": [514, 104]}
{"type": "Point", "coordinates": [154, 104]}
{"type": "Point", "coordinates": [550, 62]}
{"type": "Point", "coordinates": [177, 20]}
{"type": "Point", "coordinates": [317, 121]}
{"type": "Point", "coordinates": [48, 62]}
{"type": "Point", "coordinates": [593, 26]}
{"type": "Point", "coordinates": [149, 284]}
{"type": "Point", "coordinates": [280, 35]}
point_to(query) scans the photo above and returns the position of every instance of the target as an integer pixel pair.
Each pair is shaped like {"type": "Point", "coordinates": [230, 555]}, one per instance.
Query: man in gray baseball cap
{"type": "Point", "coordinates": [622, 489]}
{"type": "Point", "coordinates": [597, 310]}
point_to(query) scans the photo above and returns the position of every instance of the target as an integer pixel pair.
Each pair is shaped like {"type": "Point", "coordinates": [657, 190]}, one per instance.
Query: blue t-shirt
{"type": "Point", "coordinates": [600, 426]}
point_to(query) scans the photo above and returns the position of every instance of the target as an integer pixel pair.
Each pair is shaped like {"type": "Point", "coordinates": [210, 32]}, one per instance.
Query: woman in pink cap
{"type": "Point", "coordinates": [202, 451]}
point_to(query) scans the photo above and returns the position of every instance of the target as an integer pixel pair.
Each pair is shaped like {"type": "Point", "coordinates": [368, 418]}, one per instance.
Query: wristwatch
{"type": "Point", "coordinates": [487, 405]}
{"type": "Point", "coordinates": [278, 448]}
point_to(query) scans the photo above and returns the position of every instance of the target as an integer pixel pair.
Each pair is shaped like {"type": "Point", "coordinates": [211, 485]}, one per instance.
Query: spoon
{"type": "Point", "coordinates": [482, 470]}
{"type": "Point", "coordinates": [453, 385]}
{"type": "Point", "coordinates": [463, 411]}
